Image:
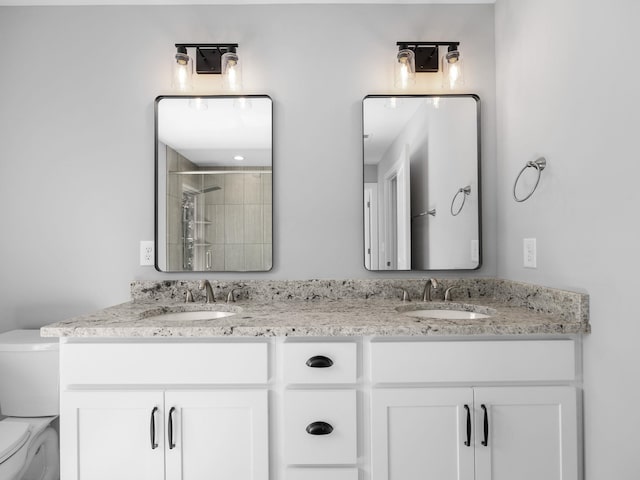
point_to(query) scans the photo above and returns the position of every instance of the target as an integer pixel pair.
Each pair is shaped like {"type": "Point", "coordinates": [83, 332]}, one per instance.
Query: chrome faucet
{"type": "Point", "coordinates": [404, 295]}
{"type": "Point", "coordinates": [206, 286]}
{"type": "Point", "coordinates": [430, 285]}
{"type": "Point", "coordinates": [230, 297]}
{"type": "Point", "coordinates": [447, 293]}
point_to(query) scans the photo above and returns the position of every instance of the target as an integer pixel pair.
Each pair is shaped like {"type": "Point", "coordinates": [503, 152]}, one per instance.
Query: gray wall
{"type": "Point", "coordinates": [567, 88]}
{"type": "Point", "coordinates": [76, 121]}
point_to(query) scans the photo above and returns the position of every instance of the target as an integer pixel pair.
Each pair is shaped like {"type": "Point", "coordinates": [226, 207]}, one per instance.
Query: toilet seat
{"type": "Point", "coordinates": [13, 435]}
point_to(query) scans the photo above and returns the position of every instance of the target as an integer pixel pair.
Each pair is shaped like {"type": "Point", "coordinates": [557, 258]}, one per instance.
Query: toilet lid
{"type": "Point", "coordinates": [13, 435]}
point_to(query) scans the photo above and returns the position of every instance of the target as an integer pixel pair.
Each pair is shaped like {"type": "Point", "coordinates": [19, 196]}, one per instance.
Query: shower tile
{"type": "Point", "coordinates": [268, 224]}
{"type": "Point", "coordinates": [234, 258]}
{"type": "Point", "coordinates": [253, 258]}
{"type": "Point", "coordinates": [215, 197]}
{"type": "Point", "coordinates": [234, 188]}
{"type": "Point", "coordinates": [217, 257]}
{"type": "Point", "coordinates": [267, 187]}
{"type": "Point", "coordinates": [253, 224]}
{"type": "Point", "coordinates": [252, 188]}
{"type": "Point", "coordinates": [267, 255]}
{"type": "Point", "coordinates": [234, 224]}
{"type": "Point", "coordinates": [215, 231]}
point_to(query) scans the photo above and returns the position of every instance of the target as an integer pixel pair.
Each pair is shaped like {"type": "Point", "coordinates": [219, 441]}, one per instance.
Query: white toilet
{"type": "Point", "coordinates": [28, 406]}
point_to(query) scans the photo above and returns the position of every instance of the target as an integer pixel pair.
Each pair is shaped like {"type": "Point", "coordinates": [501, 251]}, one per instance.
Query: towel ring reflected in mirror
{"type": "Point", "coordinates": [539, 165]}
{"type": "Point", "coordinates": [465, 191]}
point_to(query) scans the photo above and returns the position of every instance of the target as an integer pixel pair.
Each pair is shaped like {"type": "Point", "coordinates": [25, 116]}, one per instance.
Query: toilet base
{"type": "Point", "coordinates": [43, 458]}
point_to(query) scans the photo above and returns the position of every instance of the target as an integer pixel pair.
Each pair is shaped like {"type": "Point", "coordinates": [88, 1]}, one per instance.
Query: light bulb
{"type": "Point", "coordinates": [231, 71]}
{"type": "Point", "coordinates": [405, 68]}
{"type": "Point", "coordinates": [182, 74]}
{"type": "Point", "coordinates": [452, 73]}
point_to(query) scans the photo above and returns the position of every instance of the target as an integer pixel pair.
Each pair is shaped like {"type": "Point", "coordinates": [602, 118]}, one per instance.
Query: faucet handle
{"type": "Point", "coordinates": [188, 298]}
{"type": "Point", "coordinates": [447, 293]}
{"type": "Point", "coordinates": [230, 296]}
{"type": "Point", "coordinates": [405, 295]}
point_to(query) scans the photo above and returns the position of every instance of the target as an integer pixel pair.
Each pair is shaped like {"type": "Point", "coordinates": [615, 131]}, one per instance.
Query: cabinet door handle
{"type": "Point", "coordinates": [152, 428]}
{"type": "Point", "coordinates": [172, 444]}
{"type": "Point", "coordinates": [319, 361]}
{"type": "Point", "coordinates": [319, 428]}
{"type": "Point", "coordinates": [485, 442]}
{"type": "Point", "coordinates": [468, 442]}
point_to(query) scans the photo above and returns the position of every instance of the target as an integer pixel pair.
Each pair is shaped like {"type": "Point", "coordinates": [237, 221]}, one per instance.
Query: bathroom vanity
{"type": "Point", "coordinates": [325, 380]}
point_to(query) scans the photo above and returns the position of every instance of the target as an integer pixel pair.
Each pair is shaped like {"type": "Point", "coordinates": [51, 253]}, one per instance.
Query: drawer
{"type": "Point", "coordinates": [189, 363]}
{"type": "Point", "coordinates": [322, 474]}
{"type": "Point", "coordinates": [307, 362]}
{"type": "Point", "coordinates": [303, 408]}
{"type": "Point", "coordinates": [473, 361]}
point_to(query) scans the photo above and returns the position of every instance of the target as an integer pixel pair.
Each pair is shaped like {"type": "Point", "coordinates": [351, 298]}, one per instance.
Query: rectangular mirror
{"type": "Point", "coordinates": [213, 183]}
{"type": "Point", "coordinates": [422, 182]}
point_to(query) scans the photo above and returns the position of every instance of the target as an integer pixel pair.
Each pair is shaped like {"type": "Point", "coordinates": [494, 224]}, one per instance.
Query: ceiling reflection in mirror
{"type": "Point", "coordinates": [422, 182]}
{"type": "Point", "coordinates": [214, 183]}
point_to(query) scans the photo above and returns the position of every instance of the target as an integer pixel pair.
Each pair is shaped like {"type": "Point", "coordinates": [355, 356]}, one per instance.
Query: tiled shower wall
{"type": "Point", "coordinates": [233, 223]}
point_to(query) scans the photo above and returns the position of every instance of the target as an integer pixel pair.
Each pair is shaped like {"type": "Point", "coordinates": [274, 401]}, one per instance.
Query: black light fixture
{"type": "Point", "coordinates": [416, 57]}
{"type": "Point", "coordinates": [211, 58]}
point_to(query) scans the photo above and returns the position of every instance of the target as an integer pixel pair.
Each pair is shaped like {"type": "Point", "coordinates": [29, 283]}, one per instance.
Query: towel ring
{"type": "Point", "coordinates": [464, 190]}
{"type": "Point", "coordinates": [539, 165]}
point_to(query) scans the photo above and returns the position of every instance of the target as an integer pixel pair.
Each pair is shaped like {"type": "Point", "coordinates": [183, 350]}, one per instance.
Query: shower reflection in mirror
{"type": "Point", "coordinates": [418, 149]}
{"type": "Point", "coordinates": [214, 184]}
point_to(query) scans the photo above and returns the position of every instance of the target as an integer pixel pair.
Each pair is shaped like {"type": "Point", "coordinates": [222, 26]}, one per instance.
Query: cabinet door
{"type": "Point", "coordinates": [217, 434]}
{"type": "Point", "coordinates": [107, 435]}
{"type": "Point", "coordinates": [532, 433]}
{"type": "Point", "coordinates": [420, 434]}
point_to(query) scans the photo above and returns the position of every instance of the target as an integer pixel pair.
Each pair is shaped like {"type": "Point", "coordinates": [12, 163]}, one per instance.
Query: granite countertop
{"type": "Point", "coordinates": [335, 308]}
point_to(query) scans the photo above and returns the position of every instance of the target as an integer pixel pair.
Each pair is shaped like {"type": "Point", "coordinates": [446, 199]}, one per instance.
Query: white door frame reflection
{"type": "Point", "coordinates": [419, 151]}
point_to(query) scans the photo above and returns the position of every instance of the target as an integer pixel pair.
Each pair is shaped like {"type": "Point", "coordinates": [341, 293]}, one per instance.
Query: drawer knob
{"type": "Point", "coordinates": [319, 361]}
{"type": "Point", "coordinates": [319, 428]}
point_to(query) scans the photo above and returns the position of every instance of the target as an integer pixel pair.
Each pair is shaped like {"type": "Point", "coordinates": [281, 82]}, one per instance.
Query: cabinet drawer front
{"type": "Point", "coordinates": [297, 358]}
{"type": "Point", "coordinates": [305, 408]}
{"type": "Point", "coordinates": [159, 363]}
{"type": "Point", "coordinates": [322, 474]}
{"type": "Point", "coordinates": [473, 361]}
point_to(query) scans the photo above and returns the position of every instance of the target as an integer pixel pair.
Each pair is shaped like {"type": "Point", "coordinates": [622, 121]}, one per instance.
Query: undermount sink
{"type": "Point", "coordinates": [187, 316]}
{"type": "Point", "coordinates": [447, 311]}
{"type": "Point", "coordinates": [446, 314]}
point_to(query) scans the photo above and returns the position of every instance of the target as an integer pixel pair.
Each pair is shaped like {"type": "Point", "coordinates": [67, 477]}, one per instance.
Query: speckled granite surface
{"type": "Point", "coordinates": [335, 308]}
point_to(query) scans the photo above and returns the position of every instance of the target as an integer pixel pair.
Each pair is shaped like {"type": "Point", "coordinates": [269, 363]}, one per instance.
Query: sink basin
{"type": "Point", "coordinates": [187, 316]}
{"type": "Point", "coordinates": [446, 314]}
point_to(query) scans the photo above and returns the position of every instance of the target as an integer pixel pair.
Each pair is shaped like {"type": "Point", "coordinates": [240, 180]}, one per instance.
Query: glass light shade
{"type": "Point", "coordinates": [452, 70]}
{"type": "Point", "coordinates": [231, 72]}
{"type": "Point", "coordinates": [182, 72]}
{"type": "Point", "coordinates": [405, 69]}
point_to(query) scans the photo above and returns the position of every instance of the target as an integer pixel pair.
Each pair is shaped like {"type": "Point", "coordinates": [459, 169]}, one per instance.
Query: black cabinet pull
{"type": "Point", "coordinates": [152, 428]}
{"type": "Point", "coordinates": [319, 428]}
{"type": "Point", "coordinates": [468, 442]}
{"type": "Point", "coordinates": [319, 361]}
{"type": "Point", "coordinates": [485, 442]}
{"type": "Point", "coordinates": [172, 444]}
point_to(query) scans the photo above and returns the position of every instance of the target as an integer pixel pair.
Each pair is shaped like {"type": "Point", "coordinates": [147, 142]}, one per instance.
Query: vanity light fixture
{"type": "Point", "coordinates": [211, 58]}
{"type": "Point", "coordinates": [182, 71]}
{"type": "Point", "coordinates": [417, 57]}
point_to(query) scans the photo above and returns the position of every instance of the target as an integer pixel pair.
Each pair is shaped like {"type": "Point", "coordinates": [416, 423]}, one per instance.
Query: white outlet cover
{"type": "Point", "coordinates": [147, 252]}
{"type": "Point", "coordinates": [530, 259]}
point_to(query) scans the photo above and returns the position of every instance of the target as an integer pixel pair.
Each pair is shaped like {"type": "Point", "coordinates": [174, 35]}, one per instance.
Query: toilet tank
{"type": "Point", "coordinates": [28, 374]}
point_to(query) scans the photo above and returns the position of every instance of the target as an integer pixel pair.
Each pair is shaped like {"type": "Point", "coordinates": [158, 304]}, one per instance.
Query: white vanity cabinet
{"type": "Point", "coordinates": [320, 414]}
{"type": "Point", "coordinates": [434, 427]}
{"type": "Point", "coordinates": [335, 408]}
{"type": "Point", "coordinates": [157, 421]}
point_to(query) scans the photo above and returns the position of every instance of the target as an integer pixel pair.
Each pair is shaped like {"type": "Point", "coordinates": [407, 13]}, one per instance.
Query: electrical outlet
{"type": "Point", "coordinates": [530, 255]}
{"type": "Point", "coordinates": [147, 253]}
